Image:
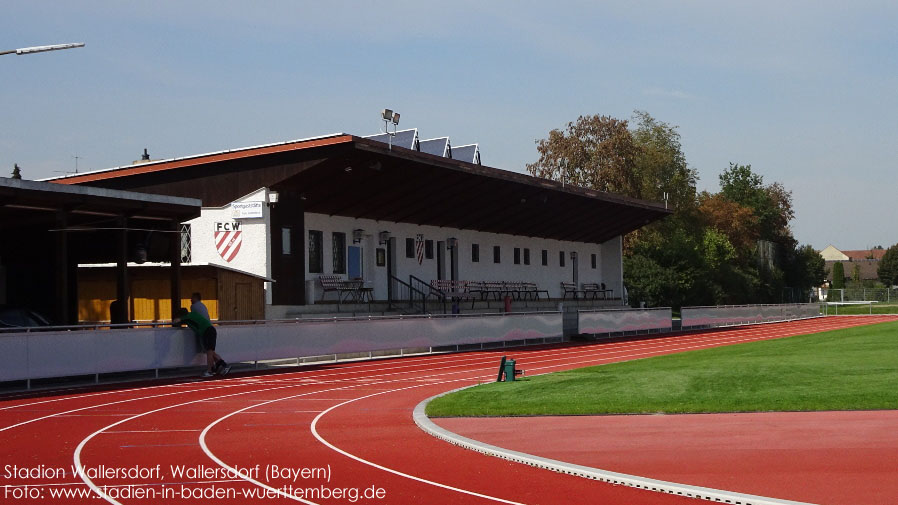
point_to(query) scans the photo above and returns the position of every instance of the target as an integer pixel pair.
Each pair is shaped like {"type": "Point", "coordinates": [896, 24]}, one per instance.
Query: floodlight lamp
{"type": "Point", "coordinates": [388, 115]}
{"type": "Point", "coordinates": [395, 118]}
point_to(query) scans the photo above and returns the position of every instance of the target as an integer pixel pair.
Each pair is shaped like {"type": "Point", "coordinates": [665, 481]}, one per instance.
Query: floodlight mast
{"type": "Point", "coordinates": [42, 49]}
{"type": "Point", "coordinates": [390, 117]}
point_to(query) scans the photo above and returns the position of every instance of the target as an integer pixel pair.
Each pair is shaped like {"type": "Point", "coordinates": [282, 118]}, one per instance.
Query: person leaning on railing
{"type": "Point", "coordinates": [207, 334]}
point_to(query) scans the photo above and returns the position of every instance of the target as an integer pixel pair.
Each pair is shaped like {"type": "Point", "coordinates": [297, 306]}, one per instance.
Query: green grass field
{"type": "Point", "coordinates": [852, 369]}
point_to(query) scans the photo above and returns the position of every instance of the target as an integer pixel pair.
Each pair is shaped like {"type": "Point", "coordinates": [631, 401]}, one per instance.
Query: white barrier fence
{"type": "Point", "coordinates": [729, 315]}
{"type": "Point", "coordinates": [599, 322]}
{"type": "Point", "coordinates": [47, 354]}
{"type": "Point", "coordinates": [25, 356]}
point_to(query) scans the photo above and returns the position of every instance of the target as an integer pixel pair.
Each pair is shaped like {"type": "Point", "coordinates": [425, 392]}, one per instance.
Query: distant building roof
{"type": "Point", "coordinates": [874, 254]}
{"type": "Point", "coordinates": [831, 253]}
{"type": "Point", "coordinates": [867, 269]}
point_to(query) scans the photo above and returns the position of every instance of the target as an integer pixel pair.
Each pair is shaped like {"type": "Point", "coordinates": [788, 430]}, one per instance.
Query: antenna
{"type": "Point", "coordinates": [390, 117]}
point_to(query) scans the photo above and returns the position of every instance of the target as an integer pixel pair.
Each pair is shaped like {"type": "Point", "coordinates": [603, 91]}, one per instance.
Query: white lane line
{"type": "Point", "coordinates": [315, 433]}
{"type": "Point", "coordinates": [213, 457]}
{"type": "Point", "coordinates": [83, 442]}
{"type": "Point", "coordinates": [147, 431]}
{"type": "Point", "coordinates": [77, 454]}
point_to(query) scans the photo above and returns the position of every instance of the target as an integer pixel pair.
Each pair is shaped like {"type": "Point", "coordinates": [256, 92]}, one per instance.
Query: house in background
{"type": "Point", "coordinates": [860, 264]}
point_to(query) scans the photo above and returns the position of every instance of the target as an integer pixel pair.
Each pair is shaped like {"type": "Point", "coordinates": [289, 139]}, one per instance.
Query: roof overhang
{"type": "Point", "coordinates": [344, 175]}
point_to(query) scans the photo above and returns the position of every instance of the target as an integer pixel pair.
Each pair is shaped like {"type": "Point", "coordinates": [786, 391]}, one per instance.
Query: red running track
{"type": "Point", "coordinates": [309, 435]}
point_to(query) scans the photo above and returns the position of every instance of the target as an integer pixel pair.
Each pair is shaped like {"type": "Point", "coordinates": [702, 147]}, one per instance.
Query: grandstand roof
{"type": "Point", "coordinates": [352, 176]}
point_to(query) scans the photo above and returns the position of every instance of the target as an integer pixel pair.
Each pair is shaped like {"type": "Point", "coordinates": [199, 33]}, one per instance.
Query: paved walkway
{"type": "Point", "coordinates": [830, 458]}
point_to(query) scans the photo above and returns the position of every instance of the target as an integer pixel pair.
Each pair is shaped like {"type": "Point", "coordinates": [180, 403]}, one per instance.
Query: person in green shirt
{"type": "Point", "coordinates": [207, 334]}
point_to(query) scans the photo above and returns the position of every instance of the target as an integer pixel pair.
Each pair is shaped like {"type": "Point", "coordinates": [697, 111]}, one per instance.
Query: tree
{"type": "Point", "coordinates": [772, 204]}
{"type": "Point", "coordinates": [888, 267]}
{"type": "Point", "coordinates": [838, 276]}
{"type": "Point", "coordinates": [734, 220]}
{"type": "Point", "coordinates": [16, 172]}
{"type": "Point", "coordinates": [805, 268]}
{"type": "Point", "coordinates": [595, 152]}
{"type": "Point", "coordinates": [661, 165]}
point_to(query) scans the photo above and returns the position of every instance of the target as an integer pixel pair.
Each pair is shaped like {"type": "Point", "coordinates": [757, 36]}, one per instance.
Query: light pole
{"type": "Point", "coordinates": [41, 49]}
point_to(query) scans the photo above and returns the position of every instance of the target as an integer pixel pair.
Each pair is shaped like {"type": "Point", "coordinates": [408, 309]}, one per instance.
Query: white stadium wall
{"type": "Point", "coordinates": [608, 255]}
{"type": "Point", "coordinates": [254, 253]}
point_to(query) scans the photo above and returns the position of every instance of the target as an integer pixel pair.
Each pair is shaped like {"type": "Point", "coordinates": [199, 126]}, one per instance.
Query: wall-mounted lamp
{"type": "Point", "coordinates": [272, 198]}
{"type": "Point", "coordinates": [573, 255]}
{"type": "Point", "coordinates": [357, 235]}
{"type": "Point", "coordinates": [452, 242]}
{"type": "Point", "coordinates": [383, 237]}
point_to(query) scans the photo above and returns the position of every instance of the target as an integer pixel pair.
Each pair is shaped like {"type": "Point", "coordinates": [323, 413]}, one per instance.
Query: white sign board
{"type": "Point", "coordinates": [244, 210]}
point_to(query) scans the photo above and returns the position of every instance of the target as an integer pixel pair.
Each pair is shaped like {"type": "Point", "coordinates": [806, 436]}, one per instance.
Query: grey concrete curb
{"type": "Point", "coordinates": [620, 479]}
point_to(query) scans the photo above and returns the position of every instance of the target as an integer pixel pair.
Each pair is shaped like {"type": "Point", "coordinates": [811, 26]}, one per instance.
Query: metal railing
{"type": "Point", "coordinates": [405, 294]}
{"type": "Point", "coordinates": [424, 287]}
{"type": "Point", "coordinates": [883, 295]}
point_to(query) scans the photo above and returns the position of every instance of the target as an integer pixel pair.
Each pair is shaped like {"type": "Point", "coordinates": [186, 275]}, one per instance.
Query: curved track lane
{"type": "Point", "coordinates": [349, 427]}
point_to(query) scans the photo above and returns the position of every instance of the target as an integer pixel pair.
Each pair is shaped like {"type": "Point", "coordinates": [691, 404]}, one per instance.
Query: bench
{"type": "Point", "coordinates": [596, 289]}
{"type": "Point", "coordinates": [570, 288]}
{"type": "Point", "coordinates": [531, 290]}
{"type": "Point", "coordinates": [344, 289]}
{"type": "Point", "coordinates": [453, 290]}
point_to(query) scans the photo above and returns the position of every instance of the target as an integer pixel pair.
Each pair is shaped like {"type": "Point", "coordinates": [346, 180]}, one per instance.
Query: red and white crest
{"type": "Point", "coordinates": [228, 240]}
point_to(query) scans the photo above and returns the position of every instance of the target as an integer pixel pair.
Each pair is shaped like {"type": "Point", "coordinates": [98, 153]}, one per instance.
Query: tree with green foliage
{"type": "Point", "coordinates": [888, 267]}
{"type": "Point", "coordinates": [596, 152]}
{"type": "Point", "coordinates": [708, 251]}
{"type": "Point", "coordinates": [838, 276]}
{"type": "Point", "coordinates": [661, 165]}
{"type": "Point", "coordinates": [16, 171]}
{"type": "Point", "coordinates": [772, 204]}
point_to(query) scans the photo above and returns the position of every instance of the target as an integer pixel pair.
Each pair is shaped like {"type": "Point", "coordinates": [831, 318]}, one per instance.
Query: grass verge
{"type": "Point", "coordinates": [851, 369]}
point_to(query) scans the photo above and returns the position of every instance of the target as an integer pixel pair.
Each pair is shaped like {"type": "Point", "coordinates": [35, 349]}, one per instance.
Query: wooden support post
{"type": "Point", "coordinates": [61, 269]}
{"type": "Point", "coordinates": [122, 289]}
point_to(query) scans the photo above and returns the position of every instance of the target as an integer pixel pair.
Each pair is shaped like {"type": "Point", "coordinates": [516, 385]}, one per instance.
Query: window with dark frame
{"type": "Point", "coordinates": [339, 250]}
{"type": "Point", "coordinates": [526, 256]}
{"type": "Point", "coordinates": [475, 253]}
{"type": "Point", "coordinates": [409, 248]}
{"type": "Point", "coordinates": [593, 260]}
{"type": "Point", "coordinates": [286, 241]}
{"type": "Point", "coordinates": [517, 255]}
{"type": "Point", "coordinates": [497, 254]}
{"type": "Point", "coordinates": [561, 258]}
{"type": "Point", "coordinates": [316, 260]}
{"type": "Point", "coordinates": [545, 258]}
{"type": "Point", "coordinates": [428, 249]}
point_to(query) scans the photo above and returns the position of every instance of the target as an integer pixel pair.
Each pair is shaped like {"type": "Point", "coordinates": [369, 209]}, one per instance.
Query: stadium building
{"type": "Point", "coordinates": [386, 210]}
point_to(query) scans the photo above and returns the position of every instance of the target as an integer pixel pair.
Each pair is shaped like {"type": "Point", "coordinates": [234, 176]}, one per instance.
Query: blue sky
{"type": "Point", "coordinates": [803, 91]}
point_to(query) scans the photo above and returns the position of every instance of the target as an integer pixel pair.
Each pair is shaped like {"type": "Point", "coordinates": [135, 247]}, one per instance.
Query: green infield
{"type": "Point", "coordinates": [852, 369]}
